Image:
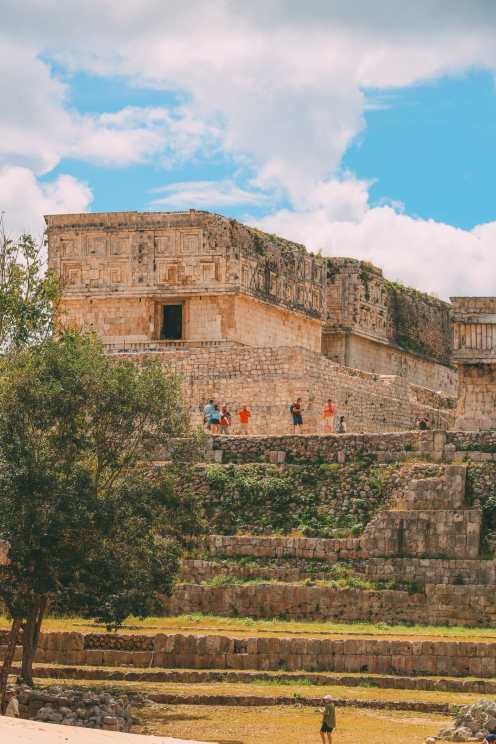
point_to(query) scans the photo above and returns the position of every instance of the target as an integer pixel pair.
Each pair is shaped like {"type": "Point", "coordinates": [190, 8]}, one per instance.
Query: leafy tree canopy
{"type": "Point", "coordinates": [28, 296]}
{"type": "Point", "coordinates": [92, 525]}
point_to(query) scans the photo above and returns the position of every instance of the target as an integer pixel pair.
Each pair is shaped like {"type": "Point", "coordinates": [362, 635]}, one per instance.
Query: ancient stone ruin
{"type": "Point", "coordinates": [248, 317]}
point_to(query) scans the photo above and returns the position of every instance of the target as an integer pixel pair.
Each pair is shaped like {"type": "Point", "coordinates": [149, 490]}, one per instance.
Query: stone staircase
{"type": "Point", "coordinates": [419, 552]}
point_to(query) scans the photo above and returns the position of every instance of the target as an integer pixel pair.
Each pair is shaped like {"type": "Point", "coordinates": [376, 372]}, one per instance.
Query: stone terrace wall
{"type": "Point", "coordinates": [467, 441]}
{"type": "Point", "coordinates": [384, 359]}
{"type": "Point", "coordinates": [269, 380]}
{"type": "Point", "coordinates": [406, 571]}
{"type": "Point", "coordinates": [386, 447]}
{"type": "Point", "coordinates": [314, 499]}
{"type": "Point", "coordinates": [430, 570]}
{"type": "Point", "coordinates": [279, 547]}
{"type": "Point", "coordinates": [375, 656]}
{"type": "Point", "coordinates": [439, 605]}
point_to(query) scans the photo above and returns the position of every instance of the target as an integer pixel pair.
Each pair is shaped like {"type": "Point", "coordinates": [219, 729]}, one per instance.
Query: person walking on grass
{"type": "Point", "coordinates": [296, 412]}
{"type": "Point", "coordinates": [328, 720]}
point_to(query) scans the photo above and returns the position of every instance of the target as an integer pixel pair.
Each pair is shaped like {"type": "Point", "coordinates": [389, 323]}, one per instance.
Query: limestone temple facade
{"type": "Point", "coordinates": [474, 353]}
{"type": "Point", "coordinates": [248, 317]}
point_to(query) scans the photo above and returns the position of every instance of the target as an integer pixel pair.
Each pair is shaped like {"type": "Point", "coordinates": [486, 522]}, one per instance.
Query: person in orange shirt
{"type": "Point", "coordinates": [244, 420]}
{"type": "Point", "coordinates": [328, 416]}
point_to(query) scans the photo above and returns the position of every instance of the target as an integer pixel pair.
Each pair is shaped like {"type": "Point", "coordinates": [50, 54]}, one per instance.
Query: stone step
{"type": "Point", "coordinates": [268, 700]}
{"type": "Point", "coordinates": [368, 655]}
{"type": "Point", "coordinates": [404, 571]}
{"type": "Point", "coordinates": [194, 676]}
{"type": "Point", "coordinates": [434, 604]}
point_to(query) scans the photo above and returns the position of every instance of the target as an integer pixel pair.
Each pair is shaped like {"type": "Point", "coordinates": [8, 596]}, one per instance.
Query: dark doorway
{"type": "Point", "coordinates": [172, 322]}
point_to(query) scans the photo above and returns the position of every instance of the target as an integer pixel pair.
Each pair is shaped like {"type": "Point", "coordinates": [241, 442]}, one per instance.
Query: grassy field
{"type": "Point", "coordinates": [292, 725]}
{"type": "Point", "coordinates": [248, 627]}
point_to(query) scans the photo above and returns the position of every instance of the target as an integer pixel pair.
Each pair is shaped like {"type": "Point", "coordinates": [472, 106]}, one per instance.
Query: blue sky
{"type": "Point", "coordinates": [361, 129]}
{"type": "Point", "coordinates": [422, 146]}
{"type": "Point", "coordinates": [433, 148]}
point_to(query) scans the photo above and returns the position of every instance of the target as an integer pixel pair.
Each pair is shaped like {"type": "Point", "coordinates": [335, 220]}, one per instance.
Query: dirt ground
{"type": "Point", "coordinates": [292, 725]}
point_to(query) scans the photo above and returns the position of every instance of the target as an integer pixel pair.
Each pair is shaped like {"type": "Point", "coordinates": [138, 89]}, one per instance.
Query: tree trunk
{"type": "Point", "coordinates": [30, 640]}
{"type": "Point", "coordinates": [8, 659]}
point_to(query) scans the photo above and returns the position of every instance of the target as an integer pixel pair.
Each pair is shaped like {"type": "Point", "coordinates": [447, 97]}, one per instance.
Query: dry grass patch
{"type": "Point", "coordinates": [292, 725]}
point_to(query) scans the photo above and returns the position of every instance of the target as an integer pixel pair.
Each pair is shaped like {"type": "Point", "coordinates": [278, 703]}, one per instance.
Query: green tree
{"type": "Point", "coordinates": [28, 296]}
{"type": "Point", "coordinates": [92, 525]}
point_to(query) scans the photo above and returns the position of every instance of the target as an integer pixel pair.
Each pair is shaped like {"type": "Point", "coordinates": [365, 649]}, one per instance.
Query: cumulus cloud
{"type": "Point", "coordinates": [284, 83]}
{"type": "Point", "coordinates": [24, 200]}
{"type": "Point", "coordinates": [206, 194]}
{"type": "Point", "coordinates": [286, 78]}
{"type": "Point", "coordinates": [429, 255]}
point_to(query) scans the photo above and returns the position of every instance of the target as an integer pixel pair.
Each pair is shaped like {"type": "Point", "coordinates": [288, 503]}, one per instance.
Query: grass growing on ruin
{"type": "Point", "coordinates": [293, 725]}
{"type": "Point", "coordinates": [264, 688]}
{"type": "Point", "coordinates": [198, 623]}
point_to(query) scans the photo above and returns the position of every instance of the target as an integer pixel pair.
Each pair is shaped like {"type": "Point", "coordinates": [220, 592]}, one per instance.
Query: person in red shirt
{"type": "Point", "coordinates": [328, 416]}
{"type": "Point", "coordinates": [296, 412]}
{"type": "Point", "coordinates": [225, 420]}
{"type": "Point", "coordinates": [244, 420]}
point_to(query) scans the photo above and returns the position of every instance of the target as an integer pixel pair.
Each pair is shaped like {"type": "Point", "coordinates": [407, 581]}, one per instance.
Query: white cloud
{"type": "Point", "coordinates": [136, 134]}
{"type": "Point", "coordinates": [429, 255]}
{"type": "Point", "coordinates": [38, 128]}
{"type": "Point", "coordinates": [24, 200]}
{"type": "Point", "coordinates": [284, 83]}
{"type": "Point", "coordinates": [206, 194]}
{"type": "Point", "coordinates": [286, 78]}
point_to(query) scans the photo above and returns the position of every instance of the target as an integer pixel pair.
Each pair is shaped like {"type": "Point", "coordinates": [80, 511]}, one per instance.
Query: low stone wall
{"type": "Point", "coordinates": [439, 605]}
{"type": "Point", "coordinates": [387, 447]}
{"type": "Point", "coordinates": [198, 571]}
{"type": "Point", "coordinates": [408, 571]}
{"type": "Point", "coordinates": [279, 547]}
{"type": "Point", "coordinates": [373, 656]}
{"type": "Point", "coordinates": [430, 533]}
{"type": "Point", "coordinates": [188, 676]}
{"type": "Point", "coordinates": [430, 571]}
{"type": "Point", "coordinates": [482, 441]}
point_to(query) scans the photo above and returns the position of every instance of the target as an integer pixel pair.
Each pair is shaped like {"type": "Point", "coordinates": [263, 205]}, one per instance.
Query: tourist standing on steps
{"type": "Point", "coordinates": [296, 411]}
{"type": "Point", "coordinates": [328, 416]}
{"type": "Point", "coordinates": [341, 426]}
{"type": "Point", "coordinates": [225, 420]}
{"type": "Point", "coordinates": [207, 412]}
{"type": "Point", "coordinates": [244, 420]}
{"type": "Point", "coordinates": [214, 420]}
{"type": "Point", "coordinates": [328, 720]}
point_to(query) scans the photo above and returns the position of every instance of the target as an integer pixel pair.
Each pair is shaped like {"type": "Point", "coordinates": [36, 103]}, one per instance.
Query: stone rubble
{"type": "Point", "coordinates": [472, 723]}
{"type": "Point", "coordinates": [79, 707]}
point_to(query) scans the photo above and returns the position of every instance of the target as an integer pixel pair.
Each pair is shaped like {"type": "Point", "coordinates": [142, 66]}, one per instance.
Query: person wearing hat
{"type": "Point", "coordinates": [12, 708]}
{"type": "Point", "coordinates": [328, 720]}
